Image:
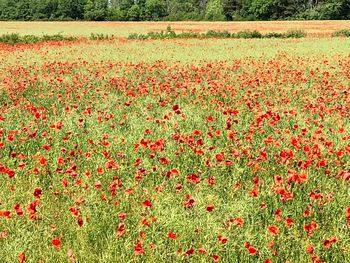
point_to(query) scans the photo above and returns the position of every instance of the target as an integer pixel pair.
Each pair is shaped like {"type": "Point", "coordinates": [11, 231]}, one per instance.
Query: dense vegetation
{"type": "Point", "coordinates": [138, 10]}
{"type": "Point", "coordinates": [170, 34]}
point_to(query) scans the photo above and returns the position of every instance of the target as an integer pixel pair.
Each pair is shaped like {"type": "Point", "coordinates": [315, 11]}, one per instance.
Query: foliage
{"type": "Point", "coordinates": [15, 38]}
{"type": "Point", "coordinates": [100, 36]}
{"type": "Point", "coordinates": [117, 14]}
{"type": "Point", "coordinates": [334, 9]}
{"type": "Point", "coordinates": [248, 34]}
{"type": "Point", "coordinates": [135, 10]}
{"type": "Point", "coordinates": [169, 33]}
{"type": "Point", "coordinates": [298, 33]}
{"type": "Point", "coordinates": [95, 10]}
{"type": "Point", "coordinates": [214, 11]}
{"type": "Point", "coordinates": [134, 13]}
{"type": "Point", "coordinates": [342, 33]}
{"type": "Point", "coordinates": [155, 9]}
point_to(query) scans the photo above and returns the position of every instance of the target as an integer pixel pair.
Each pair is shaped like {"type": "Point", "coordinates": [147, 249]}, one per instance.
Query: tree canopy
{"type": "Point", "coordinates": [139, 10]}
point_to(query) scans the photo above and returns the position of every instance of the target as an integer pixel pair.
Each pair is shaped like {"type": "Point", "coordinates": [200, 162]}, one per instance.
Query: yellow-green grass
{"type": "Point", "coordinates": [185, 51]}
{"type": "Point", "coordinates": [123, 29]}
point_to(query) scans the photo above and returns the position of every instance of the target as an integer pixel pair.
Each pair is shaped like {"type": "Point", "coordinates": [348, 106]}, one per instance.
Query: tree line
{"type": "Point", "coordinates": [171, 10]}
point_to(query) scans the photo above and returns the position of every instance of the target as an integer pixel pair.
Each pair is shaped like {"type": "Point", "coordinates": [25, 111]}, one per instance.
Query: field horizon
{"type": "Point", "coordinates": [314, 28]}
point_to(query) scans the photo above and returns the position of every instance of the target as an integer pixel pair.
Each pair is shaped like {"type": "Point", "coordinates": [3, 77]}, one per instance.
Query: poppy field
{"type": "Point", "coordinates": [190, 150]}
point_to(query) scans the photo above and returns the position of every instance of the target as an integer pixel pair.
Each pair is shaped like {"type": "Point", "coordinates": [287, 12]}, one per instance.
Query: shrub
{"type": "Point", "coordinates": [133, 36]}
{"type": "Point", "coordinates": [295, 33]}
{"type": "Point", "coordinates": [169, 33]}
{"type": "Point", "coordinates": [15, 38]}
{"type": "Point", "coordinates": [11, 39]}
{"type": "Point", "coordinates": [341, 33]}
{"type": "Point", "coordinates": [274, 35]}
{"type": "Point", "coordinates": [101, 36]}
{"type": "Point", "coordinates": [218, 34]}
{"type": "Point", "coordinates": [248, 34]}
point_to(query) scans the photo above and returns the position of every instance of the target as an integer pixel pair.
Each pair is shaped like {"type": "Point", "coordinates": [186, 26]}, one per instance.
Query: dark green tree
{"type": "Point", "coordinates": [96, 10]}
{"type": "Point", "coordinates": [71, 9]}
{"type": "Point", "coordinates": [215, 11]}
{"type": "Point", "coordinates": [155, 9]}
{"type": "Point", "coordinates": [134, 13]}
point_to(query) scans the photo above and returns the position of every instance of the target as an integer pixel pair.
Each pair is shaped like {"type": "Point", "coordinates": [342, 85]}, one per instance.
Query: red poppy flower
{"type": "Point", "coordinates": [56, 242]}
{"type": "Point", "coordinates": [273, 230]}
{"type": "Point", "coordinates": [147, 204]}
{"type": "Point", "coordinates": [3, 234]}
{"type": "Point", "coordinates": [138, 248]}
{"type": "Point", "coordinates": [215, 258]}
{"type": "Point", "coordinates": [163, 160]}
{"type": "Point", "coordinates": [210, 208]}
{"type": "Point", "coordinates": [120, 230]}
{"type": "Point", "coordinates": [172, 235]}
{"type": "Point", "coordinates": [310, 249]}
{"type": "Point", "coordinates": [38, 192]}
{"type": "Point", "coordinates": [22, 257]}
{"type": "Point", "coordinates": [189, 252]}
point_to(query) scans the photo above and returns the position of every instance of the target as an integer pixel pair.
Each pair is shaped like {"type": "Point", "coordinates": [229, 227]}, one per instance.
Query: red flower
{"type": "Point", "coordinates": [38, 192]}
{"type": "Point", "coordinates": [347, 215]}
{"type": "Point", "coordinates": [32, 209]}
{"type": "Point", "coordinates": [147, 204]}
{"type": "Point", "coordinates": [22, 257]}
{"type": "Point", "coordinates": [220, 157]}
{"type": "Point", "coordinates": [310, 249]}
{"type": "Point", "coordinates": [273, 230]}
{"type": "Point", "coordinates": [172, 235]}
{"type": "Point", "coordinates": [111, 165]}
{"type": "Point", "coordinates": [189, 252]}
{"type": "Point", "coordinates": [210, 208]}
{"type": "Point", "coordinates": [202, 251]}
{"type": "Point", "coordinates": [189, 202]}
{"type": "Point", "coordinates": [222, 240]}
{"type": "Point", "coordinates": [278, 214]}
{"type": "Point", "coordinates": [254, 192]}
{"type": "Point", "coordinates": [252, 250]}
{"type": "Point", "coordinates": [238, 221]}
{"type": "Point", "coordinates": [80, 221]}
{"type": "Point", "coordinates": [329, 242]}
{"type": "Point", "coordinates": [18, 209]}
{"type": "Point", "coordinates": [122, 216]}
{"type": "Point", "coordinates": [56, 243]}
{"type": "Point", "coordinates": [311, 227]}
{"type": "Point", "coordinates": [215, 258]}
{"type": "Point", "coordinates": [3, 234]}
{"type": "Point", "coordinates": [43, 161]}
{"type": "Point", "coordinates": [138, 249]}
{"type": "Point", "coordinates": [211, 181]}
{"type": "Point", "coordinates": [120, 230]}
{"type": "Point", "coordinates": [60, 160]}
{"type": "Point", "coordinates": [163, 160]}
{"type": "Point", "coordinates": [193, 178]}
{"type": "Point", "coordinates": [289, 221]}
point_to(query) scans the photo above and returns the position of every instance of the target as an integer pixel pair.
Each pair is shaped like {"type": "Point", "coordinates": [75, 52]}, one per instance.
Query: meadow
{"type": "Point", "coordinates": [123, 29]}
{"type": "Point", "coordinates": [175, 150]}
